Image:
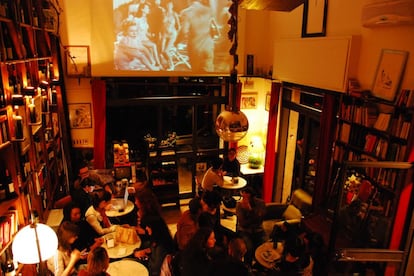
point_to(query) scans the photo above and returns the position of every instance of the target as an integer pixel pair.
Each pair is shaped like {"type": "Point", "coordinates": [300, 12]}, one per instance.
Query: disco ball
{"type": "Point", "coordinates": [232, 126]}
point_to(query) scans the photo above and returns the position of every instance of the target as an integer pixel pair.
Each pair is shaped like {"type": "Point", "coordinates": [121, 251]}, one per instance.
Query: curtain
{"type": "Point", "coordinates": [270, 161]}
{"type": "Point", "coordinates": [99, 114]}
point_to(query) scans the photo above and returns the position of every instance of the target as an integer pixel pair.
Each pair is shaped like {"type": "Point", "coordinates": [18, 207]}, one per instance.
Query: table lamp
{"type": "Point", "coordinates": [34, 244]}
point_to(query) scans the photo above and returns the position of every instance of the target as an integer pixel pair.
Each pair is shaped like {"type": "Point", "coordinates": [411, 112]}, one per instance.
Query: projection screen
{"type": "Point", "coordinates": [160, 38]}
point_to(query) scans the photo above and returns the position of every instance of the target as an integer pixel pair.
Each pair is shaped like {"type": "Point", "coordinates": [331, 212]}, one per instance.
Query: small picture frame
{"type": "Point", "coordinates": [78, 62]}
{"type": "Point", "coordinates": [248, 100]}
{"type": "Point", "coordinates": [314, 18]}
{"type": "Point", "coordinates": [389, 73]}
{"type": "Point", "coordinates": [267, 102]}
{"type": "Point", "coordinates": [80, 115]}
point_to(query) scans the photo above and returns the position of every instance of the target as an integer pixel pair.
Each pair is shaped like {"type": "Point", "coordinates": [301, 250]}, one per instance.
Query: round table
{"type": "Point", "coordinates": [126, 267]}
{"type": "Point", "coordinates": [267, 256]}
{"type": "Point", "coordinates": [120, 250]}
{"type": "Point", "coordinates": [117, 210]}
{"type": "Point", "coordinates": [230, 185]}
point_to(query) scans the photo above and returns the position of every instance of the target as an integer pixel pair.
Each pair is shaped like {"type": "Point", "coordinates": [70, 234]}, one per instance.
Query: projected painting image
{"type": "Point", "coordinates": [172, 35]}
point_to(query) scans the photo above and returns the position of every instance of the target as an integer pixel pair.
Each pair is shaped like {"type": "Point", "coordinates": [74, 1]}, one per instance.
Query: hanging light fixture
{"type": "Point", "coordinates": [232, 124]}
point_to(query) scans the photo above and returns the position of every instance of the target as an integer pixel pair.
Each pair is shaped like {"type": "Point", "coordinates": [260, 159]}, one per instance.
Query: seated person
{"type": "Point", "coordinates": [83, 172]}
{"type": "Point", "coordinates": [96, 216]}
{"type": "Point", "coordinates": [250, 212]}
{"type": "Point", "coordinates": [231, 166]}
{"type": "Point", "coordinates": [294, 259]}
{"type": "Point", "coordinates": [157, 241]}
{"type": "Point", "coordinates": [98, 263]}
{"type": "Point", "coordinates": [233, 261]}
{"type": "Point", "coordinates": [83, 196]}
{"type": "Point", "coordinates": [188, 223]}
{"type": "Point", "coordinates": [87, 237]}
{"type": "Point", "coordinates": [65, 259]}
{"type": "Point", "coordinates": [213, 176]}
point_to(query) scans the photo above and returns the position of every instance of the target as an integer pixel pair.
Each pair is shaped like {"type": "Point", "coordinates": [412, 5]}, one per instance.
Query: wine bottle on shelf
{"type": "Point", "coordinates": [10, 191]}
{"type": "Point", "coordinates": [8, 44]}
{"type": "Point", "coordinates": [2, 187]}
{"type": "Point", "coordinates": [9, 268]}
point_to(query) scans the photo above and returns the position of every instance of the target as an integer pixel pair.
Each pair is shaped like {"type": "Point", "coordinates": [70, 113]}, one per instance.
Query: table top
{"type": "Point", "coordinates": [246, 170]}
{"type": "Point", "coordinates": [267, 256]}
{"type": "Point", "coordinates": [120, 250]}
{"type": "Point", "coordinates": [116, 210]}
{"type": "Point", "coordinates": [228, 183]}
{"type": "Point", "coordinates": [126, 267]}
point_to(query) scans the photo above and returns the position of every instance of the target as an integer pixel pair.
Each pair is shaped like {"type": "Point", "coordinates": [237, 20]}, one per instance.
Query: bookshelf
{"type": "Point", "coordinates": [32, 119]}
{"type": "Point", "coordinates": [370, 129]}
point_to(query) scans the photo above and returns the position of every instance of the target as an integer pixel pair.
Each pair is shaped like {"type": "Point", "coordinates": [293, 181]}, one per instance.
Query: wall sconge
{"type": "Point", "coordinates": [34, 244]}
{"type": "Point", "coordinates": [17, 99]}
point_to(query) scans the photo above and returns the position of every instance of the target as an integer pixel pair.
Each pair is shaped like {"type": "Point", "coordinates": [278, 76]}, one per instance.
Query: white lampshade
{"type": "Point", "coordinates": [24, 246]}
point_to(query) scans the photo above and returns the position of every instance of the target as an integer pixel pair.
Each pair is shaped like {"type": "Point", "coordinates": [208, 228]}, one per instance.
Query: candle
{"type": "Point", "coordinates": [32, 113]}
{"type": "Point", "coordinates": [19, 126]}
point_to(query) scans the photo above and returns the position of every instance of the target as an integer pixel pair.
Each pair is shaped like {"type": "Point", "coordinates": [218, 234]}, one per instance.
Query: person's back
{"type": "Point", "coordinates": [213, 176]}
{"type": "Point", "coordinates": [188, 223]}
{"type": "Point", "coordinates": [232, 263]}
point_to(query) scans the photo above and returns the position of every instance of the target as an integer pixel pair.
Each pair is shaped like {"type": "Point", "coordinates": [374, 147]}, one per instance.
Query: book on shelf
{"type": "Point", "coordinates": [406, 98]}
{"type": "Point", "coordinates": [405, 130]}
{"type": "Point", "coordinates": [383, 121]}
{"type": "Point", "coordinates": [370, 142]}
{"type": "Point", "coordinates": [345, 132]}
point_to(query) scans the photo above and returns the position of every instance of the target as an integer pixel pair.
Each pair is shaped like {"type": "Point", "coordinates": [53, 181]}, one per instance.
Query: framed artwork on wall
{"type": "Point", "coordinates": [248, 100]}
{"type": "Point", "coordinates": [78, 61]}
{"type": "Point", "coordinates": [314, 18]}
{"type": "Point", "coordinates": [80, 115]}
{"type": "Point", "coordinates": [389, 73]}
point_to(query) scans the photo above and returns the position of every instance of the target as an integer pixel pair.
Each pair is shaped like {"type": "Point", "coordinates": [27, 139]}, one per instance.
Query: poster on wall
{"type": "Point", "coordinates": [80, 115]}
{"type": "Point", "coordinates": [389, 74]}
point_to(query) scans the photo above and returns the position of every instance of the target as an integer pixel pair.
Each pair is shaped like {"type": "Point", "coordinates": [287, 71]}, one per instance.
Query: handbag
{"type": "Point", "coordinates": [126, 235]}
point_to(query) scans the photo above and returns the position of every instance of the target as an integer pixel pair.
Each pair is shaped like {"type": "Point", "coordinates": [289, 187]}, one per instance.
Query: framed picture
{"type": "Point", "coordinates": [314, 18]}
{"type": "Point", "coordinates": [78, 62]}
{"type": "Point", "coordinates": [267, 103]}
{"type": "Point", "coordinates": [80, 115]}
{"type": "Point", "coordinates": [248, 100]}
{"type": "Point", "coordinates": [389, 74]}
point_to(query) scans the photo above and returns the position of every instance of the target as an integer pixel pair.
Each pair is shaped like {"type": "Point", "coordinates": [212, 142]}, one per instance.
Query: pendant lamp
{"type": "Point", "coordinates": [232, 124]}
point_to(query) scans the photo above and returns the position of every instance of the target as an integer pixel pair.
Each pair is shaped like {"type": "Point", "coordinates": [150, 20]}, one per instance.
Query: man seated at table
{"type": "Point", "coordinates": [213, 176]}
{"type": "Point", "coordinates": [250, 212]}
{"type": "Point", "coordinates": [231, 166]}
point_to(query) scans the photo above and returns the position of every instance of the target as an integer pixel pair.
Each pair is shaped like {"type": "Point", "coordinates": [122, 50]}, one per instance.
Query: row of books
{"type": "Point", "coordinates": [8, 227]}
{"type": "Point", "coordinates": [376, 147]}
{"type": "Point", "coordinates": [405, 98]}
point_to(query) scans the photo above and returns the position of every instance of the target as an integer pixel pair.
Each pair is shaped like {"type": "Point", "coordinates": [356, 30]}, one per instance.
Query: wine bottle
{"type": "Point", "coordinates": [2, 190]}
{"type": "Point", "coordinates": [9, 268]}
{"type": "Point", "coordinates": [8, 44]}
{"type": "Point", "coordinates": [10, 192]}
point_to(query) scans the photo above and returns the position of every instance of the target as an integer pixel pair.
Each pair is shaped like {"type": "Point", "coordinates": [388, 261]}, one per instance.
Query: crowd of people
{"type": "Point", "coordinates": [200, 246]}
{"type": "Point", "coordinates": [167, 35]}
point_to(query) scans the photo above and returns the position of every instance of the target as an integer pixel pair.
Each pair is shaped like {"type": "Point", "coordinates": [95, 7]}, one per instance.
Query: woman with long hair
{"type": "Point", "coordinates": [153, 230]}
{"type": "Point", "coordinates": [197, 257]}
{"type": "Point", "coordinates": [65, 259]}
{"type": "Point", "coordinates": [98, 263]}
